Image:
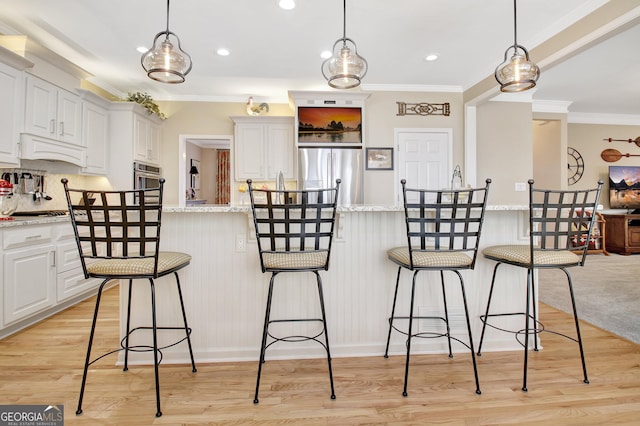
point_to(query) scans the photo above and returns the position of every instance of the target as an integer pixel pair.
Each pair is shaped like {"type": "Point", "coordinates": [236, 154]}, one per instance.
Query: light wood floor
{"type": "Point", "coordinates": [43, 365]}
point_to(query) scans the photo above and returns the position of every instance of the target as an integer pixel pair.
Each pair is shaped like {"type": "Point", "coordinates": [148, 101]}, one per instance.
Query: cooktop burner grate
{"type": "Point", "coordinates": [42, 213]}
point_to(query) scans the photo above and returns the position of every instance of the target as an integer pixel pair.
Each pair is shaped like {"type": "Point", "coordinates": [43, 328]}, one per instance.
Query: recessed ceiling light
{"type": "Point", "coordinates": [326, 54]}
{"type": "Point", "coordinates": [142, 49]}
{"type": "Point", "coordinates": [223, 52]}
{"type": "Point", "coordinates": [287, 4]}
{"type": "Point", "coordinates": [432, 57]}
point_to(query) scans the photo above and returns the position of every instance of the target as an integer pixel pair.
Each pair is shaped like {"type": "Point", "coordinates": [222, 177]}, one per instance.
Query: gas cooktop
{"type": "Point", "coordinates": [42, 213]}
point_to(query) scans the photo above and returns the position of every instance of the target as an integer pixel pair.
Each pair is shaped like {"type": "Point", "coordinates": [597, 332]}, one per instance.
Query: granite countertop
{"type": "Point", "coordinates": [237, 208]}
{"type": "Point", "coordinates": [244, 208]}
{"type": "Point", "coordinates": [32, 220]}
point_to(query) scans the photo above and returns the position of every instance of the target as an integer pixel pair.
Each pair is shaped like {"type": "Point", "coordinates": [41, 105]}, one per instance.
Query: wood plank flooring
{"type": "Point", "coordinates": [43, 365]}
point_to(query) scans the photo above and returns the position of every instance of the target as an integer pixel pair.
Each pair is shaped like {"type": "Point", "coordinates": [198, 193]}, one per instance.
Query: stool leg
{"type": "Point", "coordinates": [575, 317]}
{"type": "Point", "coordinates": [91, 334]}
{"type": "Point", "coordinates": [126, 336]}
{"type": "Point", "coordinates": [409, 332]}
{"type": "Point", "coordinates": [393, 311]}
{"type": "Point", "coordinates": [446, 313]}
{"type": "Point", "coordinates": [186, 326]}
{"type": "Point", "coordinates": [265, 331]}
{"type": "Point", "coordinates": [485, 318]}
{"type": "Point", "coordinates": [526, 330]}
{"type": "Point", "coordinates": [466, 313]}
{"type": "Point", "coordinates": [155, 345]}
{"type": "Point", "coordinates": [326, 334]}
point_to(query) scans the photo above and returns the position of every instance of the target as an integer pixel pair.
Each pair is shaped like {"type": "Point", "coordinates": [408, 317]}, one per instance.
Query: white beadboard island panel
{"type": "Point", "coordinates": [225, 291]}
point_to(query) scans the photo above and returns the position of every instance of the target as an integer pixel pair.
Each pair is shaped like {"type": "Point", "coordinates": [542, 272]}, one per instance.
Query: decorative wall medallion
{"type": "Point", "coordinates": [575, 165]}
{"type": "Point", "coordinates": [423, 108]}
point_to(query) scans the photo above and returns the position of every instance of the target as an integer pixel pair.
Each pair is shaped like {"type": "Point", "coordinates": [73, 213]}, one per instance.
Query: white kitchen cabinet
{"type": "Point", "coordinates": [95, 133]}
{"type": "Point", "coordinates": [134, 136]}
{"type": "Point", "coordinates": [29, 272]}
{"type": "Point", "coordinates": [70, 280]}
{"type": "Point", "coordinates": [52, 112]}
{"type": "Point", "coordinates": [11, 106]}
{"type": "Point", "coordinates": [264, 146]}
{"type": "Point", "coordinates": [146, 139]}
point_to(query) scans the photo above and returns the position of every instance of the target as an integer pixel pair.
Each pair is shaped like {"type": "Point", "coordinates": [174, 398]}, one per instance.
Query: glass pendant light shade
{"type": "Point", "coordinates": [345, 68]}
{"type": "Point", "coordinates": [166, 62]}
{"type": "Point", "coordinates": [517, 73]}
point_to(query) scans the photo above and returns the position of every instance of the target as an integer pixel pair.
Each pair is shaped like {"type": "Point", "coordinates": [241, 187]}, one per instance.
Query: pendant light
{"type": "Point", "coordinates": [345, 68]}
{"type": "Point", "coordinates": [164, 62]}
{"type": "Point", "coordinates": [518, 73]}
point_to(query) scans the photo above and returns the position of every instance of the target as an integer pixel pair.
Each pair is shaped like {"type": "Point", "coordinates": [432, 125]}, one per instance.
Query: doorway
{"type": "Point", "coordinates": [204, 151]}
{"type": "Point", "coordinates": [424, 158]}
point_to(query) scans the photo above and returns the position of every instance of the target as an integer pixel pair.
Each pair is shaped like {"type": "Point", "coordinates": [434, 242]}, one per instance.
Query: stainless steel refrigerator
{"type": "Point", "coordinates": [320, 167]}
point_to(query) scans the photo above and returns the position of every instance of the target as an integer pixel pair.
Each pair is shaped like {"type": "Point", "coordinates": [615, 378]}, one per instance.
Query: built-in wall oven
{"type": "Point", "coordinates": [146, 176]}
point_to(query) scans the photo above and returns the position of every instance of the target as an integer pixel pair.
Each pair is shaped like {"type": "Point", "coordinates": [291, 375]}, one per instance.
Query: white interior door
{"type": "Point", "coordinates": [424, 159]}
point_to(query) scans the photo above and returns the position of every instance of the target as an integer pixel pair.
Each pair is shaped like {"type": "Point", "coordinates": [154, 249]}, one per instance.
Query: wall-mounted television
{"type": "Point", "coordinates": [329, 125]}
{"type": "Point", "coordinates": [624, 187]}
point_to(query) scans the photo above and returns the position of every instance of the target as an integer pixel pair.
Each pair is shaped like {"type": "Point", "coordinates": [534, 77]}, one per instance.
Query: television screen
{"type": "Point", "coordinates": [624, 187]}
{"type": "Point", "coordinates": [329, 125]}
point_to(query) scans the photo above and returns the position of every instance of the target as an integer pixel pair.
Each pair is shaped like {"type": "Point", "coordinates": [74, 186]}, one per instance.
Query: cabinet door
{"type": "Point", "coordinates": [280, 151]}
{"type": "Point", "coordinates": [153, 143]}
{"type": "Point", "coordinates": [69, 115]}
{"type": "Point", "coordinates": [250, 152]}
{"type": "Point", "coordinates": [95, 133]}
{"type": "Point", "coordinates": [40, 113]}
{"type": "Point", "coordinates": [140, 134]}
{"type": "Point", "coordinates": [29, 281]}
{"type": "Point", "coordinates": [11, 108]}
{"type": "Point", "coordinates": [70, 278]}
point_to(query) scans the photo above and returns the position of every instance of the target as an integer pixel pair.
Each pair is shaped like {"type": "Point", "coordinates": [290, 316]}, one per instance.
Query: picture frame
{"type": "Point", "coordinates": [332, 125]}
{"type": "Point", "coordinates": [379, 158]}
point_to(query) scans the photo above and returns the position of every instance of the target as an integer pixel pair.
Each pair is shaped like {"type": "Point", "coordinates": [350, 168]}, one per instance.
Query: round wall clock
{"type": "Point", "coordinates": [575, 164]}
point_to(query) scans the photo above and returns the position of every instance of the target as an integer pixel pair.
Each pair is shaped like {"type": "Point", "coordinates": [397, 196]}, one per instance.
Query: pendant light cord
{"type": "Point", "coordinates": [344, 19]}
{"type": "Point", "coordinates": [167, 18]}
{"type": "Point", "coordinates": [515, 27]}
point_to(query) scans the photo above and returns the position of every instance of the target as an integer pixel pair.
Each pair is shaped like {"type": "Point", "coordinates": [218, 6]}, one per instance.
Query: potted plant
{"type": "Point", "coordinates": [145, 100]}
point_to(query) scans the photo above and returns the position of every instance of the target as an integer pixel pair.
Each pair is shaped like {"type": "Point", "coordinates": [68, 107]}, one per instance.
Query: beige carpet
{"type": "Point", "coordinates": [607, 291]}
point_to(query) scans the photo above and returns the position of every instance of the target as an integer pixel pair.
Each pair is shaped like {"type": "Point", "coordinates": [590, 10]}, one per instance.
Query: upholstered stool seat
{"type": "Point", "coordinates": [142, 267]}
{"type": "Point", "coordinates": [118, 238]}
{"type": "Point", "coordinates": [560, 226]}
{"type": "Point", "coordinates": [520, 255]}
{"type": "Point", "coordinates": [443, 232]}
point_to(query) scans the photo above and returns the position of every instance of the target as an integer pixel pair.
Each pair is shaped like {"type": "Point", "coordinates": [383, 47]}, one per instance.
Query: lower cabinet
{"type": "Point", "coordinates": [29, 276]}
{"type": "Point", "coordinates": [41, 274]}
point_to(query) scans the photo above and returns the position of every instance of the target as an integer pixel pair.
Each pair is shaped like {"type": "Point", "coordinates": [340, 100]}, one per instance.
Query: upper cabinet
{"type": "Point", "coordinates": [11, 105]}
{"type": "Point", "coordinates": [146, 139]}
{"type": "Point", "coordinates": [52, 112]}
{"type": "Point", "coordinates": [264, 146]}
{"type": "Point", "coordinates": [134, 136]}
{"type": "Point", "coordinates": [95, 133]}
{"type": "Point", "coordinates": [53, 124]}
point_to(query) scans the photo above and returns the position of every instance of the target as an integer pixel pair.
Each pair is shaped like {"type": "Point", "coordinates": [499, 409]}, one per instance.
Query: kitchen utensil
{"type": "Point", "coordinates": [613, 155]}
{"type": "Point", "coordinates": [636, 140]}
{"type": "Point", "coordinates": [8, 201]}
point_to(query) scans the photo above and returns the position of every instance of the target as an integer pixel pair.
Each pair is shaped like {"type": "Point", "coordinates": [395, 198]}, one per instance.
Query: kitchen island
{"type": "Point", "coordinates": [225, 291]}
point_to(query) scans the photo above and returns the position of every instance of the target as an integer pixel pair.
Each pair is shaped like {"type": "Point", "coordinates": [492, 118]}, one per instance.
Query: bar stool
{"type": "Point", "coordinates": [560, 225]}
{"type": "Point", "coordinates": [118, 238]}
{"type": "Point", "coordinates": [294, 232]}
{"type": "Point", "coordinates": [443, 233]}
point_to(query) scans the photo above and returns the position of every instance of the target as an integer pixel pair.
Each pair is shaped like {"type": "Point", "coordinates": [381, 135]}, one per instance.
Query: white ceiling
{"type": "Point", "coordinates": [274, 51]}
